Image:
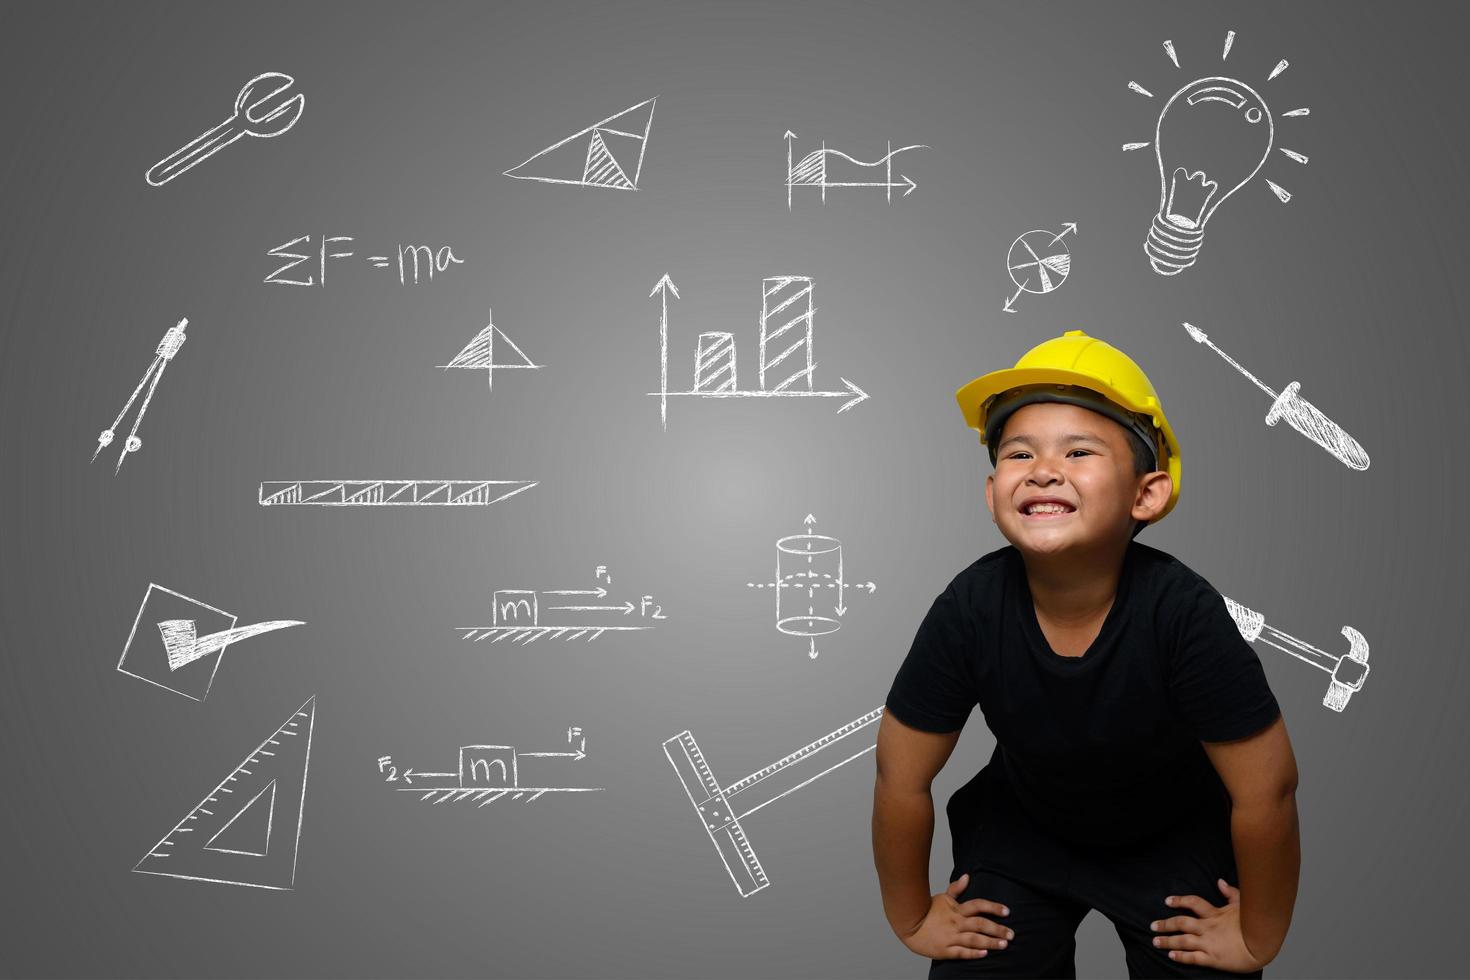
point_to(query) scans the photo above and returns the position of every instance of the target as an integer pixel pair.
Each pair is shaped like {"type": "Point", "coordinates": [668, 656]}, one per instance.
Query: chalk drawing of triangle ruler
{"type": "Point", "coordinates": [270, 785]}
{"type": "Point", "coordinates": [717, 807]}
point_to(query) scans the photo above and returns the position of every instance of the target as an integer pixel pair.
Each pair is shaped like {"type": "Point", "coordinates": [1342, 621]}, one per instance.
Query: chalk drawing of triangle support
{"type": "Point", "coordinates": [606, 154]}
{"type": "Point", "coordinates": [479, 354]}
{"type": "Point", "coordinates": [247, 830]}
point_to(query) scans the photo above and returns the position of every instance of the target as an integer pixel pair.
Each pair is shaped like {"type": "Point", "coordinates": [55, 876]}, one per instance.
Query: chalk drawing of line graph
{"type": "Point", "coordinates": [786, 368]}
{"type": "Point", "coordinates": [606, 154]}
{"type": "Point", "coordinates": [819, 169]}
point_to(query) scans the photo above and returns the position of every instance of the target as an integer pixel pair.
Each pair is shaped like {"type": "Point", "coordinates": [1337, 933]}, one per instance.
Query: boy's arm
{"type": "Point", "coordinates": [1260, 774]}
{"type": "Point", "coordinates": [903, 817]}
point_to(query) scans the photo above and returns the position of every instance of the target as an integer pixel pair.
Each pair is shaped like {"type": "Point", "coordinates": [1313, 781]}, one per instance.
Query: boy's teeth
{"type": "Point", "coordinates": [1046, 509]}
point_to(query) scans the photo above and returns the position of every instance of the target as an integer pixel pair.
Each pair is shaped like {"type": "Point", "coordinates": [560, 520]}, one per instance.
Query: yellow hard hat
{"type": "Point", "coordinates": [1079, 370]}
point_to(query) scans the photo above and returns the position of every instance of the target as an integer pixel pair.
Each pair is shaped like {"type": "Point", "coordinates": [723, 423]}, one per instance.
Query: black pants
{"type": "Point", "coordinates": [1050, 886]}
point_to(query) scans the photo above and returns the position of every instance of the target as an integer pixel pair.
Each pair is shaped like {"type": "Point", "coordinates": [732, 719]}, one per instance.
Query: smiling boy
{"type": "Point", "coordinates": [1141, 767]}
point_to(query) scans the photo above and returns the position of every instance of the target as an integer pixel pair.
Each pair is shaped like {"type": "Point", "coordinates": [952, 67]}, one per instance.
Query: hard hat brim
{"type": "Point", "coordinates": [973, 396]}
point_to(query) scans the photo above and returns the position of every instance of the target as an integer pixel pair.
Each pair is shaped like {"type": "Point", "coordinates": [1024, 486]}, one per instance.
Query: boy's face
{"type": "Point", "coordinates": [1080, 458]}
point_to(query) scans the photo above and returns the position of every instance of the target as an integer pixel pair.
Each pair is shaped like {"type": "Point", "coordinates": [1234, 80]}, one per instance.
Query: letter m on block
{"type": "Point", "coordinates": [515, 607]}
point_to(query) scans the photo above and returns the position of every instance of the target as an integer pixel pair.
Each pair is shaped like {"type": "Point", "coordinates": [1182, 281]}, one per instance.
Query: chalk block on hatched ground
{"type": "Point", "coordinates": [488, 767]}
{"type": "Point", "coordinates": [514, 607]}
{"type": "Point", "coordinates": [145, 656]}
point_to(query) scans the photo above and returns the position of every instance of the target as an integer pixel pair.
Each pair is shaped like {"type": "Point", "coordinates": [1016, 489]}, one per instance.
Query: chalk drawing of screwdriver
{"type": "Point", "coordinates": [1300, 413]}
{"type": "Point", "coordinates": [172, 340]}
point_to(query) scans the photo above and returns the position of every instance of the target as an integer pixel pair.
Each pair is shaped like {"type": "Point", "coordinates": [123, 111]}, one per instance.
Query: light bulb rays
{"type": "Point", "coordinates": [1213, 136]}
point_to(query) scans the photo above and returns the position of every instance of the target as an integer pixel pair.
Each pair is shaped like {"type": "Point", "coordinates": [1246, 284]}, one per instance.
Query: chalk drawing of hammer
{"type": "Point", "coordinates": [716, 807]}
{"type": "Point", "coordinates": [1348, 672]}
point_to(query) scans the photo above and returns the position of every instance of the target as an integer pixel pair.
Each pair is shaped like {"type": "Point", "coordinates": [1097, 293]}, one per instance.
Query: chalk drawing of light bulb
{"type": "Point", "coordinates": [1213, 136]}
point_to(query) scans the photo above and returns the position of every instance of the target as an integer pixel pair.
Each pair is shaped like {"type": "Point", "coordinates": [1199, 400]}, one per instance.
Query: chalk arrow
{"type": "Point", "coordinates": [579, 754]}
{"type": "Point", "coordinates": [408, 776]}
{"type": "Point", "coordinates": [625, 608]}
{"type": "Point", "coordinates": [1070, 226]}
{"type": "Point", "coordinates": [183, 646]}
{"type": "Point", "coordinates": [861, 396]}
{"type": "Point", "coordinates": [789, 137]}
{"type": "Point", "coordinates": [1010, 308]}
{"type": "Point", "coordinates": [599, 592]}
{"type": "Point", "coordinates": [663, 287]}
{"type": "Point", "coordinates": [873, 183]}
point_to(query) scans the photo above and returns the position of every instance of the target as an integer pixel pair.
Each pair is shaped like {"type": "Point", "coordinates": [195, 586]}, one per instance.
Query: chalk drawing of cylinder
{"type": "Point", "coordinates": [808, 577]}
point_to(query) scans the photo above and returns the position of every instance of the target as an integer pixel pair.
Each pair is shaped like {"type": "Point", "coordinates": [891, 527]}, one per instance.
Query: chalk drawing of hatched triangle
{"type": "Point", "coordinates": [601, 169]}
{"type": "Point", "coordinates": [481, 352]}
{"type": "Point", "coordinates": [608, 153]}
{"type": "Point", "coordinates": [248, 829]}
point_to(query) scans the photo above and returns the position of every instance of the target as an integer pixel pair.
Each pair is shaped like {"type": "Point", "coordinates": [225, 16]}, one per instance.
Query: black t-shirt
{"type": "Point", "coordinates": [1098, 750]}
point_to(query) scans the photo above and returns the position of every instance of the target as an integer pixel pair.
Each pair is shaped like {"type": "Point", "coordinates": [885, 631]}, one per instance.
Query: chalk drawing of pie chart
{"type": "Point", "coordinates": [1039, 261]}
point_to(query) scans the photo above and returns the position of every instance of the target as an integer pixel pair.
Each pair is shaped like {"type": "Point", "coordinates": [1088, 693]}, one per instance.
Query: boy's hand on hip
{"type": "Point", "coordinates": [1211, 937]}
{"type": "Point", "coordinates": [954, 931]}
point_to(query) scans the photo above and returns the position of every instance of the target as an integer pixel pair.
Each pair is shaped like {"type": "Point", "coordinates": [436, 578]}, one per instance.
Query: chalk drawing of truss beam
{"type": "Point", "coordinates": [606, 154]}
{"type": "Point", "coordinates": [389, 493]}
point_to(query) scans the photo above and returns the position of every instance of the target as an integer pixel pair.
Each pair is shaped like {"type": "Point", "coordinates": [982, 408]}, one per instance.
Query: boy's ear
{"type": "Point", "coordinates": [990, 496]}
{"type": "Point", "coordinates": [1154, 490]}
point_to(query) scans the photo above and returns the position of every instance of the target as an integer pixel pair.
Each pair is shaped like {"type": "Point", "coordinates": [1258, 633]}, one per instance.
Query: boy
{"type": "Point", "coordinates": [1141, 761]}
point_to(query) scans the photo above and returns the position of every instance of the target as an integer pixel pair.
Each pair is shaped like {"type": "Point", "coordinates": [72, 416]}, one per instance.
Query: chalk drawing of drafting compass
{"type": "Point", "coordinates": [717, 808]}
{"type": "Point", "coordinates": [1348, 672]}
{"type": "Point", "coordinates": [168, 347]}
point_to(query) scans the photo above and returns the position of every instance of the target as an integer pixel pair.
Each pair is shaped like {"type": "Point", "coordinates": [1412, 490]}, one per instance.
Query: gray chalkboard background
{"type": "Point", "coordinates": [1355, 288]}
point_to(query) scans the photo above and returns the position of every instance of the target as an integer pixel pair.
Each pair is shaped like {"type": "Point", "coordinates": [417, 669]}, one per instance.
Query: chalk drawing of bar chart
{"type": "Point", "coordinates": [786, 367]}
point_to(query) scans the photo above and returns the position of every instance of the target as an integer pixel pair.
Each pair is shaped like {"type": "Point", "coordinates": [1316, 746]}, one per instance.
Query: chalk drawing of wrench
{"type": "Point", "coordinates": [260, 110]}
